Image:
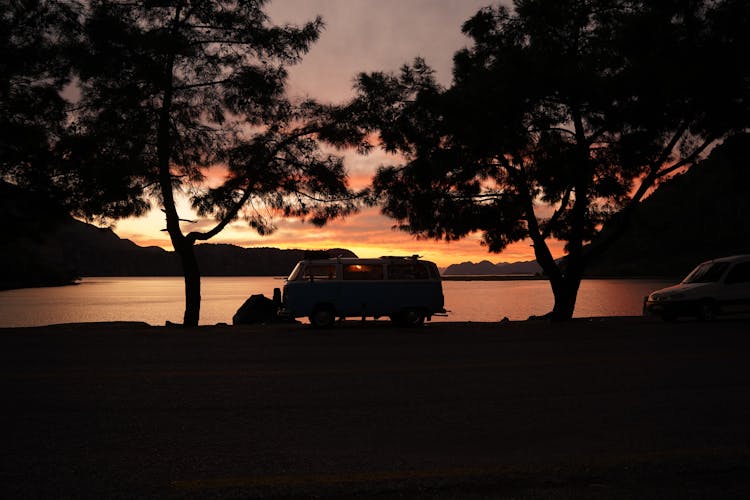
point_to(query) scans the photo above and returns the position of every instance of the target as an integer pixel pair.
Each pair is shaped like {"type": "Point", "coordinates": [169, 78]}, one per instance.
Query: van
{"type": "Point", "coordinates": [716, 287]}
{"type": "Point", "coordinates": [405, 289]}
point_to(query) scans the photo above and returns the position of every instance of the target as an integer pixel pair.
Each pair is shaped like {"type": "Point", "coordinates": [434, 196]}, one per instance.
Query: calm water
{"type": "Point", "coordinates": [156, 300]}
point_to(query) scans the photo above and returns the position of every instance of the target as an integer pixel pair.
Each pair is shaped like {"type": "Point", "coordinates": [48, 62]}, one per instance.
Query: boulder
{"type": "Point", "coordinates": [257, 309]}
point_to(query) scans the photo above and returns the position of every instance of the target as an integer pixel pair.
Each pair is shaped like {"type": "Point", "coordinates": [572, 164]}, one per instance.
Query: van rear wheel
{"type": "Point", "coordinates": [322, 317]}
{"type": "Point", "coordinates": [412, 317]}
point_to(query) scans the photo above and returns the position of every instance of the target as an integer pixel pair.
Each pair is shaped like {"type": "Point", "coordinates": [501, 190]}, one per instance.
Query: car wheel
{"type": "Point", "coordinates": [412, 317]}
{"type": "Point", "coordinates": [706, 311]}
{"type": "Point", "coordinates": [669, 317]}
{"type": "Point", "coordinates": [323, 317]}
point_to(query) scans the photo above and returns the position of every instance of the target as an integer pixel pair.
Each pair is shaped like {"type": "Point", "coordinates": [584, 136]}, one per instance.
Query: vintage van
{"type": "Point", "coordinates": [716, 287]}
{"type": "Point", "coordinates": [405, 289]}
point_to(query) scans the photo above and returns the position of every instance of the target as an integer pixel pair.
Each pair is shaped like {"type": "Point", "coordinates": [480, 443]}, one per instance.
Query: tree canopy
{"type": "Point", "coordinates": [561, 115]}
{"type": "Point", "coordinates": [170, 88]}
{"type": "Point", "coordinates": [34, 69]}
{"type": "Point", "coordinates": [157, 94]}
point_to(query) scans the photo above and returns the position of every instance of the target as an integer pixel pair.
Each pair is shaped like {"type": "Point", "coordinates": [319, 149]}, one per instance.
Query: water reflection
{"type": "Point", "coordinates": [156, 300]}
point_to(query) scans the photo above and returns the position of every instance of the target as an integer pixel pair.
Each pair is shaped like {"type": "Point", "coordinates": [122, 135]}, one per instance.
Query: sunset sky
{"type": "Point", "coordinates": [360, 35]}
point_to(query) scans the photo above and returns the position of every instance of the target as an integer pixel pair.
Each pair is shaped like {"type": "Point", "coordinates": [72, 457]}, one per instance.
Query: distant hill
{"type": "Point", "coordinates": [231, 260]}
{"type": "Point", "coordinates": [26, 257]}
{"type": "Point", "coordinates": [46, 252]}
{"type": "Point", "coordinates": [100, 252]}
{"type": "Point", "coordinates": [486, 267]}
{"type": "Point", "coordinates": [699, 215]}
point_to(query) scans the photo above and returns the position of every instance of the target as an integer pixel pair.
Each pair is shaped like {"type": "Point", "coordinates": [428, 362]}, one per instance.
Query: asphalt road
{"type": "Point", "coordinates": [618, 408]}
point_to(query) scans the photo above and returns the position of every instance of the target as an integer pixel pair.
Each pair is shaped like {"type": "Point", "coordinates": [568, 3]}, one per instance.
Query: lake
{"type": "Point", "coordinates": [155, 300]}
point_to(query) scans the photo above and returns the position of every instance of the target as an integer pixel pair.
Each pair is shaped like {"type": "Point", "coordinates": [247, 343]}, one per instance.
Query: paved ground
{"type": "Point", "coordinates": [618, 408]}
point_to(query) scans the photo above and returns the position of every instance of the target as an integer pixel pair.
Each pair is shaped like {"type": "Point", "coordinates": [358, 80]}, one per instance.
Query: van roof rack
{"type": "Point", "coordinates": [415, 256]}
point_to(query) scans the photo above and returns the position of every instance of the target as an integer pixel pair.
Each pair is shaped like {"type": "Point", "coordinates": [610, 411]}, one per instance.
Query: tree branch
{"type": "Point", "coordinates": [558, 213]}
{"type": "Point", "coordinates": [202, 84]}
{"type": "Point", "coordinates": [228, 217]}
{"type": "Point", "coordinates": [670, 146]}
{"type": "Point", "coordinates": [688, 159]}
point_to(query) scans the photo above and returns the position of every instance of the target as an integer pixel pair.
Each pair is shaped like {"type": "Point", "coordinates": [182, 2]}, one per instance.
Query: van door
{"type": "Point", "coordinates": [363, 289]}
{"type": "Point", "coordinates": [415, 286]}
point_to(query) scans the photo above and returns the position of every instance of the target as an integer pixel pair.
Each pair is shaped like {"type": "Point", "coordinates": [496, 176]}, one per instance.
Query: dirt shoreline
{"type": "Point", "coordinates": [531, 324]}
{"type": "Point", "coordinates": [618, 408]}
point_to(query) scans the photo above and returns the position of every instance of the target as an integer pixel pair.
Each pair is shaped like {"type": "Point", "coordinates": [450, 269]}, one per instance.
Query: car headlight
{"type": "Point", "coordinates": [659, 297]}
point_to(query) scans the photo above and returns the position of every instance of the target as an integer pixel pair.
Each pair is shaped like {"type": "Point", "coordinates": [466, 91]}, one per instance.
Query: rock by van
{"type": "Point", "coordinates": [408, 290]}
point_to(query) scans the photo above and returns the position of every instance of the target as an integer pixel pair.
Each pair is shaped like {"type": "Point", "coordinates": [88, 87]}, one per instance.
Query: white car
{"type": "Point", "coordinates": [719, 286]}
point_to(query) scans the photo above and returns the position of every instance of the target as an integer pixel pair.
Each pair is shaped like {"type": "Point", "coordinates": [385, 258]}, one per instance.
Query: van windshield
{"type": "Point", "coordinates": [295, 272]}
{"type": "Point", "coordinates": [709, 272]}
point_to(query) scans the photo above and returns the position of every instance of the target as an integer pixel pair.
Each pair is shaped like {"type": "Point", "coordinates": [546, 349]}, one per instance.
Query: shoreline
{"type": "Point", "coordinates": [539, 324]}
{"type": "Point", "coordinates": [350, 323]}
{"type": "Point", "coordinates": [451, 277]}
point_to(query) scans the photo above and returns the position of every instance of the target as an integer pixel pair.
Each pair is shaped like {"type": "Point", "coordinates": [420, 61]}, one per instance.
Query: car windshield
{"type": "Point", "coordinates": [707, 273]}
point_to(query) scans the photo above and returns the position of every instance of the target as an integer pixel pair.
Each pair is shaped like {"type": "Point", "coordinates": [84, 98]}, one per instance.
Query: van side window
{"type": "Point", "coordinates": [320, 272]}
{"type": "Point", "coordinates": [739, 274]}
{"type": "Point", "coordinates": [407, 271]}
{"type": "Point", "coordinates": [363, 272]}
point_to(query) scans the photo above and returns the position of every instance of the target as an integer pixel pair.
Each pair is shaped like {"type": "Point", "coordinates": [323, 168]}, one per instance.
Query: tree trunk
{"type": "Point", "coordinates": [192, 276]}
{"type": "Point", "coordinates": [565, 291]}
{"type": "Point", "coordinates": [564, 282]}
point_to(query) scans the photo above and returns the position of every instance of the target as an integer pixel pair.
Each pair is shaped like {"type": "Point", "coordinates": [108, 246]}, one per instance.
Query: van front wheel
{"type": "Point", "coordinates": [322, 317]}
{"type": "Point", "coordinates": [706, 311]}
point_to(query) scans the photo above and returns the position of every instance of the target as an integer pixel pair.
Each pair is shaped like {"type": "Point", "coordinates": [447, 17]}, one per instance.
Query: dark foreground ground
{"type": "Point", "coordinates": [617, 408]}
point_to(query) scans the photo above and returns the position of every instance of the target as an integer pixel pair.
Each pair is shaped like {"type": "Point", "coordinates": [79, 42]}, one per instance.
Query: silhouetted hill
{"type": "Point", "coordinates": [231, 260]}
{"type": "Point", "coordinates": [486, 267]}
{"type": "Point", "coordinates": [27, 258]}
{"type": "Point", "coordinates": [44, 252]}
{"type": "Point", "coordinates": [94, 251]}
{"type": "Point", "coordinates": [699, 215]}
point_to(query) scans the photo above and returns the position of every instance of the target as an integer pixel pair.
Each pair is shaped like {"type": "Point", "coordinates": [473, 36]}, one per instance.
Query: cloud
{"type": "Point", "coordinates": [364, 36]}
